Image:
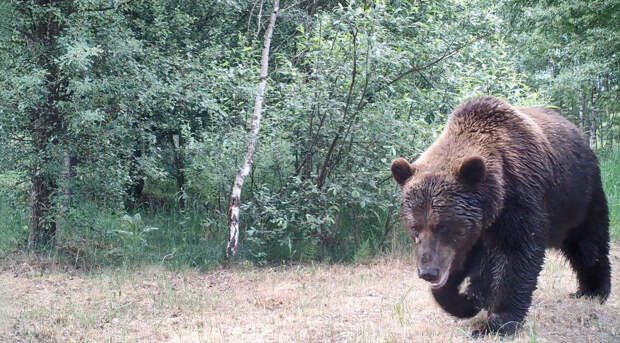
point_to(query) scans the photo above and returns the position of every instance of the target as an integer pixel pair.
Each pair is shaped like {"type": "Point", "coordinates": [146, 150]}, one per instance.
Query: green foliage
{"type": "Point", "coordinates": [568, 51]}
{"type": "Point", "coordinates": [94, 237]}
{"type": "Point", "coordinates": [610, 173]}
{"type": "Point", "coordinates": [151, 101]}
{"type": "Point", "coordinates": [13, 214]}
{"type": "Point", "coordinates": [321, 184]}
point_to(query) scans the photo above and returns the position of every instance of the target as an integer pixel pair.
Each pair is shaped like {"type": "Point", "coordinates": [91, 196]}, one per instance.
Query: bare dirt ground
{"type": "Point", "coordinates": [382, 301]}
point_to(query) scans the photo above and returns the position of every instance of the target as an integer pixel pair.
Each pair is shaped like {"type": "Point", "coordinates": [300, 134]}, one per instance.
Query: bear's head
{"type": "Point", "coordinates": [443, 212]}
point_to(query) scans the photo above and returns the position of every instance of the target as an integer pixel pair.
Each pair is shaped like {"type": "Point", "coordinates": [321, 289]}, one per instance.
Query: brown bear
{"type": "Point", "coordinates": [498, 186]}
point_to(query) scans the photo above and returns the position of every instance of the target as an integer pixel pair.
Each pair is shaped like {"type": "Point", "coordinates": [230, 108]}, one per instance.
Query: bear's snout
{"type": "Point", "coordinates": [428, 273]}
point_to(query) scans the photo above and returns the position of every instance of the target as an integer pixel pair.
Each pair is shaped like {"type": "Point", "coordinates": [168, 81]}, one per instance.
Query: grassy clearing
{"type": "Point", "coordinates": [381, 301]}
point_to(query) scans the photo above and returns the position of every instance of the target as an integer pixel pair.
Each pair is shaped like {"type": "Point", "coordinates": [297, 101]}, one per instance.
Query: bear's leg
{"type": "Point", "coordinates": [453, 302]}
{"type": "Point", "coordinates": [587, 249]}
{"type": "Point", "coordinates": [450, 299]}
{"type": "Point", "coordinates": [515, 262]}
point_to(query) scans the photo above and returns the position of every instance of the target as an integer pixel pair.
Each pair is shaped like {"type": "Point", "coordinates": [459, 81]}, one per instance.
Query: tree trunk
{"type": "Point", "coordinates": [45, 120]}
{"type": "Point", "coordinates": [66, 178]}
{"type": "Point", "coordinates": [178, 157]}
{"type": "Point", "coordinates": [593, 118]}
{"type": "Point", "coordinates": [66, 189]}
{"type": "Point", "coordinates": [136, 187]}
{"type": "Point", "coordinates": [592, 129]}
{"type": "Point", "coordinates": [42, 223]}
{"type": "Point", "coordinates": [235, 197]}
{"type": "Point", "coordinates": [581, 106]}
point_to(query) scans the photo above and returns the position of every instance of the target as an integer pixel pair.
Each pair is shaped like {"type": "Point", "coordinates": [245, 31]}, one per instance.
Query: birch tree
{"type": "Point", "coordinates": [235, 197]}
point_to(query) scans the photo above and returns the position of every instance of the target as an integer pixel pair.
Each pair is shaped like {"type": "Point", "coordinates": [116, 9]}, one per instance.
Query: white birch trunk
{"type": "Point", "coordinates": [235, 197]}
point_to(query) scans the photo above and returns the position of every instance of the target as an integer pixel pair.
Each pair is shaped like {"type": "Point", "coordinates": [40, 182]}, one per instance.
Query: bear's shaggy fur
{"type": "Point", "coordinates": [497, 187]}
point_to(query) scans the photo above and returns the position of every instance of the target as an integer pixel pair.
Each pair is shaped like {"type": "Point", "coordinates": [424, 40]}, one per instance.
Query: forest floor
{"type": "Point", "coordinates": [380, 301]}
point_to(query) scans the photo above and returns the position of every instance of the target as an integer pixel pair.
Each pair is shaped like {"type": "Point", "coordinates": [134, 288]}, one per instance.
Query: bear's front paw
{"type": "Point", "coordinates": [600, 294]}
{"type": "Point", "coordinates": [577, 295]}
{"type": "Point", "coordinates": [479, 333]}
{"type": "Point", "coordinates": [497, 324]}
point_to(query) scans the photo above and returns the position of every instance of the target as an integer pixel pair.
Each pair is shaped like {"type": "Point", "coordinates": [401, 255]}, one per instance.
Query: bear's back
{"type": "Point", "coordinates": [573, 166]}
{"type": "Point", "coordinates": [534, 149]}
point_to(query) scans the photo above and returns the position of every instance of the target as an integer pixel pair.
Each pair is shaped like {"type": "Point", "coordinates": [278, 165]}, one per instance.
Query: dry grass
{"type": "Point", "coordinates": [382, 301]}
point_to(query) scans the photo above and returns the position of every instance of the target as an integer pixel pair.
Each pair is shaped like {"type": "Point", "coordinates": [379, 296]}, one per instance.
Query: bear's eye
{"type": "Point", "coordinates": [416, 235]}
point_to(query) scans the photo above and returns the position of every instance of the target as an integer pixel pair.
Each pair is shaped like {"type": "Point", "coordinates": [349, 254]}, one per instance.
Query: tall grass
{"type": "Point", "coordinates": [91, 237]}
{"type": "Point", "coordinates": [13, 227]}
{"type": "Point", "coordinates": [95, 237]}
{"type": "Point", "coordinates": [13, 213]}
{"type": "Point", "coordinates": [610, 173]}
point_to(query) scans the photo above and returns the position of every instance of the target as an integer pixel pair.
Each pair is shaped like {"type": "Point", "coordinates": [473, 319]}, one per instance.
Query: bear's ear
{"type": "Point", "coordinates": [401, 170]}
{"type": "Point", "coordinates": [472, 170]}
